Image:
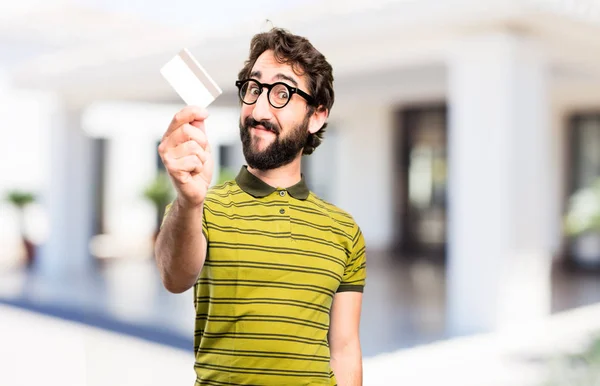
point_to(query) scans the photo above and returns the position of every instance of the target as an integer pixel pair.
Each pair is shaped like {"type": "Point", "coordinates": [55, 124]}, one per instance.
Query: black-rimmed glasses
{"type": "Point", "coordinates": [279, 94]}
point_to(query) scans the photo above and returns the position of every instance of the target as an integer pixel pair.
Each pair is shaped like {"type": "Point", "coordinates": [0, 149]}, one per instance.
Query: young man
{"type": "Point", "coordinates": [278, 274]}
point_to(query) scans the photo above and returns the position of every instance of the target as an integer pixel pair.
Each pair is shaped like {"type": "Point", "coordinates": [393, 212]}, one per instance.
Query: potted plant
{"type": "Point", "coordinates": [160, 192]}
{"type": "Point", "coordinates": [20, 199]}
{"type": "Point", "coordinates": [582, 224]}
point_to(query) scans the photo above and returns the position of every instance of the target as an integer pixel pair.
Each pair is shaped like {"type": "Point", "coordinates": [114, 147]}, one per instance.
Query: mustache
{"type": "Point", "coordinates": [251, 122]}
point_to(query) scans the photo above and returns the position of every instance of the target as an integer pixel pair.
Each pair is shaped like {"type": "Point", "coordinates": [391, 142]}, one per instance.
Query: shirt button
{"type": "Point", "coordinates": [282, 211]}
{"type": "Point", "coordinates": [282, 193]}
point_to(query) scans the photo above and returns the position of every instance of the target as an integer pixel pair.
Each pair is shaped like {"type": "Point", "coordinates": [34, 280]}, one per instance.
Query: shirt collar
{"type": "Point", "coordinates": [256, 187]}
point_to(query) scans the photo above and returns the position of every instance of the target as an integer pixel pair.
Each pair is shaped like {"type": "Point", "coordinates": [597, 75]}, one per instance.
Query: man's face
{"type": "Point", "coordinates": [274, 137]}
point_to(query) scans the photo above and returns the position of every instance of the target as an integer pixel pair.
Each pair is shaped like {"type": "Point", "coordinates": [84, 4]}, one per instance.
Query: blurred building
{"type": "Point", "coordinates": [460, 130]}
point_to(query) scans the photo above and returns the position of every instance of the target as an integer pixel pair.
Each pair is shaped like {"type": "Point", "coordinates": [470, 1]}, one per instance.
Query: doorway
{"type": "Point", "coordinates": [583, 171]}
{"type": "Point", "coordinates": [421, 186]}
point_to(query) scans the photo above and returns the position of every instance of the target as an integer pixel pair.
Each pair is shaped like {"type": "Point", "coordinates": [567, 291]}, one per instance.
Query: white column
{"type": "Point", "coordinates": [499, 141]}
{"type": "Point", "coordinates": [68, 196]}
{"type": "Point", "coordinates": [129, 218]}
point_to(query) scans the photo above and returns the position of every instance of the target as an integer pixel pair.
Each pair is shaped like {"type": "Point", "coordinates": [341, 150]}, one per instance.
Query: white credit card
{"type": "Point", "coordinates": [190, 80]}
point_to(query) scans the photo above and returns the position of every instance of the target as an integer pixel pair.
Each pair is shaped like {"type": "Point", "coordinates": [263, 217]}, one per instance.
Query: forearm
{"type": "Point", "coordinates": [346, 363]}
{"type": "Point", "coordinates": [181, 248]}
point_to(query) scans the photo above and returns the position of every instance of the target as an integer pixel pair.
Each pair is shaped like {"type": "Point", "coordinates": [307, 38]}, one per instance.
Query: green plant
{"type": "Point", "coordinates": [583, 213]}
{"type": "Point", "coordinates": [160, 192]}
{"type": "Point", "coordinates": [20, 198]}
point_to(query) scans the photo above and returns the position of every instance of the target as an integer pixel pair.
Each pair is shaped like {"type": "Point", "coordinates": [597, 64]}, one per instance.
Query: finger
{"type": "Point", "coordinates": [199, 124]}
{"type": "Point", "coordinates": [186, 115]}
{"type": "Point", "coordinates": [178, 146]}
{"type": "Point", "coordinates": [183, 150]}
{"type": "Point", "coordinates": [188, 148]}
{"type": "Point", "coordinates": [185, 133]}
{"type": "Point", "coordinates": [202, 155]}
{"type": "Point", "coordinates": [190, 164]}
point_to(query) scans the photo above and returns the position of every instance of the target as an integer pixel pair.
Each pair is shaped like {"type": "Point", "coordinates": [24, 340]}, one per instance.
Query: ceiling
{"type": "Point", "coordinates": [112, 49]}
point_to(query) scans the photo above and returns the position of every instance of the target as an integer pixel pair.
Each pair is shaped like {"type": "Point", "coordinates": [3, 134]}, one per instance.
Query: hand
{"type": "Point", "coordinates": [186, 154]}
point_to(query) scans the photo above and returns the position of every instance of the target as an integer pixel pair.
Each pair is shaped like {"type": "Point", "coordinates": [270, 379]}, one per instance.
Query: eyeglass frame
{"type": "Point", "coordinates": [292, 90]}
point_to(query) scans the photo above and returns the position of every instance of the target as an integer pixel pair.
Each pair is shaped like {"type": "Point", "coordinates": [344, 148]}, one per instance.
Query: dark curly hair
{"type": "Point", "coordinates": [304, 58]}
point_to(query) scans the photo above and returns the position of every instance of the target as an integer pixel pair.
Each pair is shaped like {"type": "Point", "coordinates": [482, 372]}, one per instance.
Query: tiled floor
{"type": "Point", "coordinates": [403, 302]}
{"type": "Point", "coordinates": [74, 354]}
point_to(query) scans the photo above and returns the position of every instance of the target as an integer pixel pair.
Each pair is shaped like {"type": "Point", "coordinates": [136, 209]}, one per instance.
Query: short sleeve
{"type": "Point", "coordinates": [355, 273]}
{"type": "Point", "coordinates": [204, 223]}
{"type": "Point", "coordinates": [167, 210]}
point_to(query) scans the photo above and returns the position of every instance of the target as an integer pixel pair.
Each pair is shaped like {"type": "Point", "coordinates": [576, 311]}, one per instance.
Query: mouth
{"type": "Point", "coordinates": [262, 128]}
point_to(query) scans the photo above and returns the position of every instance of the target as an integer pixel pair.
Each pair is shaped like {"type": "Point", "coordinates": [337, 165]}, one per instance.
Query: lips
{"type": "Point", "coordinates": [261, 127]}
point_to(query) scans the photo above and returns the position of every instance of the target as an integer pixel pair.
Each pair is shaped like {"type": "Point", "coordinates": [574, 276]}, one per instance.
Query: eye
{"type": "Point", "coordinates": [283, 94]}
{"type": "Point", "coordinates": [254, 90]}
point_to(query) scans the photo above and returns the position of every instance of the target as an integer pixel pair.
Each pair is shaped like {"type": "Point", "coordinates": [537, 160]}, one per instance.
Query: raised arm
{"type": "Point", "coordinates": [180, 248]}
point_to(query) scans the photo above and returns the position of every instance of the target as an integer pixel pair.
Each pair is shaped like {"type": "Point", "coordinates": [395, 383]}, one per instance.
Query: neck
{"type": "Point", "coordinates": [282, 177]}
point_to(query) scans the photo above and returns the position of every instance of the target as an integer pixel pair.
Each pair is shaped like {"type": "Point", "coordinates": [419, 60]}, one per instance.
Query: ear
{"type": "Point", "coordinates": [317, 119]}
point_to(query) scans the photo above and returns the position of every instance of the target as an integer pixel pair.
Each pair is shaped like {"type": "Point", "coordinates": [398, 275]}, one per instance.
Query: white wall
{"type": "Point", "coordinates": [322, 166]}
{"type": "Point", "coordinates": [365, 169]}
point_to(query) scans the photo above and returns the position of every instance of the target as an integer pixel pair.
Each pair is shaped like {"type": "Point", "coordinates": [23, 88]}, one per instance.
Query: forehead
{"type": "Point", "coordinates": [270, 70]}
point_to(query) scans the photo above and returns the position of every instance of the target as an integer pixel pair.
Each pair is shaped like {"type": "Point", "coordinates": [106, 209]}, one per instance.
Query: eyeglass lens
{"type": "Point", "coordinates": [278, 95]}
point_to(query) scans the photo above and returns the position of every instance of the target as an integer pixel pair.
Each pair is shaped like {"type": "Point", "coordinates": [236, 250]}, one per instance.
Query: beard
{"type": "Point", "coordinates": [280, 152]}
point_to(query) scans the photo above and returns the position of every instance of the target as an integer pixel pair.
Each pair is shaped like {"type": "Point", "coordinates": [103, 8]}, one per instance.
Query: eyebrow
{"type": "Point", "coordinates": [280, 76]}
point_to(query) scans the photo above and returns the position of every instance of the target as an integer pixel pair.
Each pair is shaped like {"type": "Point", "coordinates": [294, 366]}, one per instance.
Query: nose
{"type": "Point", "coordinates": [262, 109]}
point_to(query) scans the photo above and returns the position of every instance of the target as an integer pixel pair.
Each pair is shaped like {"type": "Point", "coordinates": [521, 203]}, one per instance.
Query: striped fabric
{"type": "Point", "coordinates": [276, 257]}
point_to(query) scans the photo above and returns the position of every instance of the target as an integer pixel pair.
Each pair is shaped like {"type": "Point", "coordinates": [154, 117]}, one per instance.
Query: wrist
{"type": "Point", "coordinates": [183, 204]}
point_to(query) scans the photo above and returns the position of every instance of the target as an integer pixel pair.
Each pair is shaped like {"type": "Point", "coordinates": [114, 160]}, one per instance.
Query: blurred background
{"type": "Point", "coordinates": [464, 139]}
